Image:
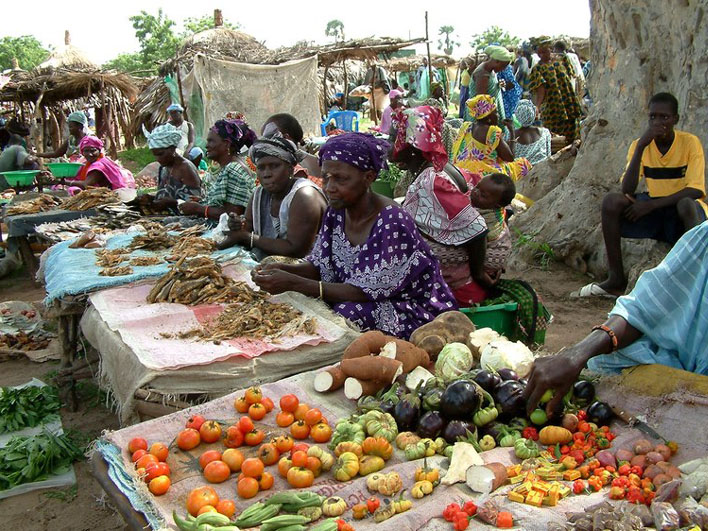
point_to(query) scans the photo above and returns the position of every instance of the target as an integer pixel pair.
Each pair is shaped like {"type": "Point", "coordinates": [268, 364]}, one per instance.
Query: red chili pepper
{"type": "Point", "coordinates": [470, 508]}
{"type": "Point", "coordinates": [635, 495]}
{"type": "Point", "coordinates": [564, 449]}
{"type": "Point", "coordinates": [617, 493]}
{"type": "Point", "coordinates": [450, 511]}
{"type": "Point", "coordinates": [611, 436]}
{"type": "Point", "coordinates": [582, 415]}
{"type": "Point", "coordinates": [636, 469]}
{"type": "Point", "coordinates": [579, 436]}
{"type": "Point", "coordinates": [530, 433]}
{"type": "Point", "coordinates": [584, 427]}
{"type": "Point", "coordinates": [578, 486]}
{"type": "Point", "coordinates": [461, 521]}
{"type": "Point", "coordinates": [373, 503]}
{"type": "Point", "coordinates": [505, 520]}
{"type": "Point", "coordinates": [624, 470]}
{"type": "Point", "coordinates": [578, 455]}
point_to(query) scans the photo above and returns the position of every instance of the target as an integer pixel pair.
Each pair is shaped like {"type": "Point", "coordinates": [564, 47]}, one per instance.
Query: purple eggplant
{"type": "Point", "coordinates": [457, 428]}
{"type": "Point", "coordinates": [509, 397]}
{"type": "Point", "coordinates": [491, 429]}
{"type": "Point", "coordinates": [507, 374]}
{"type": "Point", "coordinates": [460, 400]}
{"type": "Point", "coordinates": [407, 411]}
{"type": "Point", "coordinates": [430, 425]}
{"type": "Point", "coordinates": [488, 380]}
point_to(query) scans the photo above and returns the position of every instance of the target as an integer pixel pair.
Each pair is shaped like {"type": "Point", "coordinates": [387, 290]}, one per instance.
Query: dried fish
{"type": "Point", "coordinates": [153, 240]}
{"type": "Point", "coordinates": [146, 261]}
{"type": "Point", "coordinates": [33, 206]}
{"type": "Point", "coordinates": [194, 230]}
{"type": "Point", "coordinates": [116, 271]}
{"type": "Point", "coordinates": [258, 319]}
{"type": "Point", "coordinates": [90, 198]}
{"type": "Point", "coordinates": [191, 246]}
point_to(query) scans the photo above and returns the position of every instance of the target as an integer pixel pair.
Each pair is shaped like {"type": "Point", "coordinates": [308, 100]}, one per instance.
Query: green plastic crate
{"type": "Point", "coordinates": [64, 169]}
{"type": "Point", "coordinates": [20, 177]}
{"type": "Point", "coordinates": [384, 188]}
{"type": "Point", "coordinates": [499, 317]}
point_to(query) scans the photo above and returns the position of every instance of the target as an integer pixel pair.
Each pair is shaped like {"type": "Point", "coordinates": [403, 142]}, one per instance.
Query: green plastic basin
{"type": "Point", "coordinates": [20, 177]}
{"type": "Point", "coordinates": [64, 169]}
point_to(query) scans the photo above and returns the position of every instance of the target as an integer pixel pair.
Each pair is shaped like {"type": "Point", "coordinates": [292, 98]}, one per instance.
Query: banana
{"type": "Point", "coordinates": [212, 518]}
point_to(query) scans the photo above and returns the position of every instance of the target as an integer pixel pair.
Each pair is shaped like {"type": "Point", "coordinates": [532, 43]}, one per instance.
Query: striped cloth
{"type": "Point", "coordinates": [669, 305]}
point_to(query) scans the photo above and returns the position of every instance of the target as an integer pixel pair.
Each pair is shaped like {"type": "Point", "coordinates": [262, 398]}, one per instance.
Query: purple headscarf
{"type": "Point", "coordinates": [235, 131]}
{"type": "Point", "coordinates": [90, 141]}
{"type": "Point", "coordinates": [361, 150]}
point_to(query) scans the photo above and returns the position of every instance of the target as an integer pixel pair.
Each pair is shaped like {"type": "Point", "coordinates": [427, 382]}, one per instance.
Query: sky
{"type": "Point", "coordinates": [102, 29]}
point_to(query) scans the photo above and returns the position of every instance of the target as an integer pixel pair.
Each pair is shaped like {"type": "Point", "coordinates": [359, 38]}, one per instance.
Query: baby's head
{"type": "Point", "coordinates": [493, 191]}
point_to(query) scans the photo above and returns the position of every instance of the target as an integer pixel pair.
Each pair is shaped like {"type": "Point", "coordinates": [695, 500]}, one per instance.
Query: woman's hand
{"type": "Point", "coordinates": [275, 280]}
{"type": "Point", "coordinates": [190, 208]}
{"type": "Point", "coordinates": [236, 223]}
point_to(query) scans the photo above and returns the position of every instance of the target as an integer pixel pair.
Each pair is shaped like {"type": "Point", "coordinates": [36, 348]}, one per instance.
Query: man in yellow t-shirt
{"type": "Point", "coordinates": [673, 165]}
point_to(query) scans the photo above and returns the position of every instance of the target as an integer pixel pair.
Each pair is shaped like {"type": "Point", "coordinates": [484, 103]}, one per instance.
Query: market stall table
{"type": "Point", "coordinates": [426, 512]}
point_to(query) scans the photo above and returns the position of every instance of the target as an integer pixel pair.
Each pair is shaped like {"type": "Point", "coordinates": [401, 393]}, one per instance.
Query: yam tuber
{"type": "Point", "coordinates": [407, 353]}
{"type": "Point", "coordinates": [329, 379]}
{"type": "Point", "coordinates": [354, 389]}
{"type": "Point", "coordinates": [486, 478]}
{"type": "Point", "coordinates": [372, 369]}
{"type": "Point", "coordinates": [366, 344]}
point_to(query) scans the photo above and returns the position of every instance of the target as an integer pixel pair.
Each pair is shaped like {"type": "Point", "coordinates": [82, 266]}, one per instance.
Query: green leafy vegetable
{"type": "Point", "coordinates": [27, 407]}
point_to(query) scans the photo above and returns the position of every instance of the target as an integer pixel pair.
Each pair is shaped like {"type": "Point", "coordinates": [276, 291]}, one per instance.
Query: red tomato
{"type": "Point", "coordinates": [154, 470]}
{"type": "Point", "coordinates": [159, 485]}
{"type": "Point", "coordinates": [209, 456]}
{"type": "Point", "coordinates": [160, 451]}
{"type": "Point", "coordinates": [234, 437]}
{"type": "Point", "coordinates": [257, 411]}
{"type": "Point", "coordinates": [200, 497]}
{"type": "Point", "coordinates": [253, 395]}
{"type": "Point", "coordinates": [145, 460]}
{"type": "Point", "coordinates": [289, 403]}
{"type": "Point", "coordinates": [299, 458]}
{"type": "Point", "coordinates": [241, 405]}
{"type": "Point", "coordinates": [226, 507]}
{"type": "Point", "coordinates": [137, 455]}
{"type": "Point", "coordinates": [138, 443]}
{"type": "Point", "coordinates": [300, 430]}
{"type": "Point", "coordinates": [269, 454]}
{"type": "Point", "coordinates": [300, 477]}
{"type": "Point", "coordinates": [254, 438]}
{"type": "Point", "coordinates": [245, 424]}
{"type": "Point", "coordinates": [266, 481]}
{"type": "Point", "coordinates": [188, 439]}
{"type": "Point", "coordinates": [252, 467]}
{"type": "Point", "coordinates": [247, 487]}
{"type": "Point", "coordinates": [268, 404]}
{"type": "Point", "coordinates": [195, 422]}
{"type": "Point", "coordinates": [320, 433]}
{"type": "Point", "coordinates": [284, 419]}
{"type": "Point", "coordinates": [233, 458]}
{"type": "Point", "coordinates": [217, 472]}
{"type": "Point", "coordinates": [210, 431]}
{"type": "Point", "coordinates": [284, 443]}
{"type": "Point", "coordinates": [313, 416]}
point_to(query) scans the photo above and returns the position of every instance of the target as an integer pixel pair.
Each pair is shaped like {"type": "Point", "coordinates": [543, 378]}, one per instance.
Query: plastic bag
{"type": "Point", "coordinates": [665, 516]}
{"type": "Point", "coordinates": [692, 513]}
{"type": "Point", "coordinates": [221, 229]}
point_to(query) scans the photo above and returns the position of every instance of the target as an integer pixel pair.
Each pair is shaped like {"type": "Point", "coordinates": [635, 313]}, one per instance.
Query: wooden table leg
{"type": "Point", "coordinates": [68, 351]}
{"type": "Point", "coordinates": [28, 258]}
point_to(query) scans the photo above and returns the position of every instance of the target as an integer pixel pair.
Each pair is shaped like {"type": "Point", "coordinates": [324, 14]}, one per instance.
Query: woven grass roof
{"type": "Point", "coordinates": [412, 62]}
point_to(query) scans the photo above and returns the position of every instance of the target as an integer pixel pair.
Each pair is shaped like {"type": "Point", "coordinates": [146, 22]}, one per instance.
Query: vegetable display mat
{"type": "Point", "coordinates": [66, 479]}
{"type": "Point", "coordinates": [426, 513]}
{"type": "Point", "coordinates": [143, 326]}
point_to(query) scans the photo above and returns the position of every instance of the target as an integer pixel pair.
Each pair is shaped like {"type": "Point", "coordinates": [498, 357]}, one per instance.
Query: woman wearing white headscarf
{"type": "Point", "coordinates": [532, 143]}
{"type": "Point", "coordinates": [484, 78]}
{"type": "Point", "coordinates": [177, 178]}
{"type": "Point", "coordinates": [78, 128]}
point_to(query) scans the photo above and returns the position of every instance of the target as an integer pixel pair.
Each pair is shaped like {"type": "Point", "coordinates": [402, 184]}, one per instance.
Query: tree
{"type": "Point", "coordinates": [157, 39]}
{"type": "Point", "coordinates": [194, 25]}
{"type": "Point", "coordinates": [130, 62]}
{"type": "Point", "coordinates": [446, 43]}
{"type": "Point", "coordinates": [335, 29]}
{"type": "Point", "coordinates": [28, 51]}
{"type": "Point", "coordinates": [493, 35]}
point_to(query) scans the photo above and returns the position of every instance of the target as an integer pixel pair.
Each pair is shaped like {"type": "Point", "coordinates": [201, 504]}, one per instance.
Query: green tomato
{"type": "Point", "coordinates": [538, 417]}
{"type": "Point", "coordinates": [546, 396]}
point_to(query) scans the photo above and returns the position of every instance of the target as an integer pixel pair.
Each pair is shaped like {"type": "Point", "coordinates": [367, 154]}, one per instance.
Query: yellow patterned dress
{"type": "Point", "coordinates": [560, 110]}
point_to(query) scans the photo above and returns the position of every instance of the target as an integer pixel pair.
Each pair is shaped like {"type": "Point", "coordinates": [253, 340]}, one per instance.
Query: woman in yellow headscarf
{"type": "Point", "coordinates": [480, 148]}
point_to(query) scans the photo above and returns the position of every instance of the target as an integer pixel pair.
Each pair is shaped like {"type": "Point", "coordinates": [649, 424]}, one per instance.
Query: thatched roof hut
{"type": "Point", "coordinates": [412, 62]}
{"type": "Point", "coordinates": [68, 81]}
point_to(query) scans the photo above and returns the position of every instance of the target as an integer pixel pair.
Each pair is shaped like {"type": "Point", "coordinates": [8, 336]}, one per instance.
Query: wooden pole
{"type": "Point", "coordinates": [346, 84]}
{"type": "Point", "coordinates": [325, 100]}
{"type": "Point", "coordinates": [372, 111]}
{"type": "Point", "coordinates": [430, 63]}
{"type": "Point", "coordinates": [181, 97]}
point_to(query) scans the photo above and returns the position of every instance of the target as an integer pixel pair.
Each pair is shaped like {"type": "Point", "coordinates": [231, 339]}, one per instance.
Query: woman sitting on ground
{"type": "Point", "coordinates": [369, 261]}
{"type": "Point", "coordinates": [177, 178]}
{"type": "Point", "coordinates": [480, 148]}
{"type": "Point", "coordinates": [287, 126]}
{"type": "Point", "coordinates": [532, 143]}
{"type": "Point", "coordinates": [99, 170]}
{"type": "Point", "coordinates": [234, 183]}
{"type": "Point", "coordinates": [285, 212]}
{"type": "Point", "coordinates": [78, 129]}
{"type": "Point", "coordinates": [440, 205]}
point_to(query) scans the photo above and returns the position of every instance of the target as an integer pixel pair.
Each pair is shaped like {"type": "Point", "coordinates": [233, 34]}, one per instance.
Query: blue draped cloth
{"type": "Point", "coordinates": [669, 305]}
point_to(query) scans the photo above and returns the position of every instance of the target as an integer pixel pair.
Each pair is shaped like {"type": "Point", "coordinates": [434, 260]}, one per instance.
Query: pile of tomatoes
{"type": "Point", "coordinates": [302, 420]}
{"type": "Point", "coordinates": [150, 464]}
{"type": "Point", "coordinates": [205, 499]}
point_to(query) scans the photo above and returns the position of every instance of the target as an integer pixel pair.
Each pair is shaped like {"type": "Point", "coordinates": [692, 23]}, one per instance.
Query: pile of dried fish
{"type": "Point", "coordinates": [191, 246]}
{"type": "Point", "coordinates": [116, 271]}
{"type": "Point", "coordinates": [200, 281]}
{"type": "Point", "coordinates": [33, 206]}
{"type": "Point", "coordinates": [153, 240]}
{"type": "Point", "coordinates": [64, 230]}
{"type": "Point", "coordinates": [146, 261]}
{"type": "Point", "coordinates": [115, 217]}
{"type": "Point", "coordinates": [111, 257]}
{"type": "Point", "coordinates": [90, 198]}
{"type": "Point", "coordinates": [258, 319]}
{"type": "Point", "coordinates": [194, 230]}
{"type": "Point", "coordinates": [25, 342]}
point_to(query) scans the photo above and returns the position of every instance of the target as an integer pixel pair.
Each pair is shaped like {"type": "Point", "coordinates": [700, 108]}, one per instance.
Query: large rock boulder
{"type": "Point", "coordinates": [639, 48]}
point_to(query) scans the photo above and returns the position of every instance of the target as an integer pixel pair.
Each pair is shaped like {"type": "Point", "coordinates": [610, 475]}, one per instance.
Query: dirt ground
{"type": "Point", "coordinates": [85, 506]}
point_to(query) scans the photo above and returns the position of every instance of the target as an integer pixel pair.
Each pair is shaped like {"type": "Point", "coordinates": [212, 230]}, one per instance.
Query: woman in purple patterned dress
{"type": "Point", "coordinates": [369, 261]}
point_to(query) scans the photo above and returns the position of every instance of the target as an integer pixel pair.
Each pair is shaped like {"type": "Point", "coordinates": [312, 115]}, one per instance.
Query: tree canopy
{"type": "Point", "coordinates": [28, 51]}
{"type": "Point", "coordinates": [194, 25]}
{"type": "Point", "coordinates": [446, 43]}
{"type": "Point", "coordinates": [335, 28]}
{"type": "Point", "coordinates": [493, 35]}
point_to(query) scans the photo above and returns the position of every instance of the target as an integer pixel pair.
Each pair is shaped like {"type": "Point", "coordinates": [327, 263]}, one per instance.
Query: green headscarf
{"type": "Point", "coordinates": [78, 117]}
{"type": "Point", "coordinates": [499, 53]}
